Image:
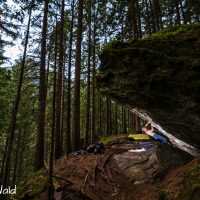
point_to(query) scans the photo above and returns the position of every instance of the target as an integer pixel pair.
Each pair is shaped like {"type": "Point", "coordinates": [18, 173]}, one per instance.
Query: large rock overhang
{"type": "Point", "coordinates": [160, 75]}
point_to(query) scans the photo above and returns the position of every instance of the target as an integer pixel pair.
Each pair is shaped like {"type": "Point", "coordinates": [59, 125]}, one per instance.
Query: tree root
{"type": "Point", "coordinates": [56, 184]}
{"type": "Point", "coordinates": [99, 166]}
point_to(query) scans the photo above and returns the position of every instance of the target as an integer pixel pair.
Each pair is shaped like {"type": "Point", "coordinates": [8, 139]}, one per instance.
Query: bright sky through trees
{"type": "Point", "coordinates": [11, 52]}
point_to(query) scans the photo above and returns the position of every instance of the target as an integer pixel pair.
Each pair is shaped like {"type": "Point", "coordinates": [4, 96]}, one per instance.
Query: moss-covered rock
{"type": "Point", "coordinates": [159, 74]}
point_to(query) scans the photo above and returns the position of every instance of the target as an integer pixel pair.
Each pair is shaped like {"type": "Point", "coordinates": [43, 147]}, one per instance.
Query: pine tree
{"type": "Point", "coordinates": [9, 146]}
{"type": "Point", "coordinates": [39, 158]}
{"type": "Point", "coordinates": [58, 146]}
{"type": "Point", "coordinates": [76, 110]}
{"type": "Point", "coordinates": [87, 129]}
{"type": "Point", "coordinates": [68, 118]}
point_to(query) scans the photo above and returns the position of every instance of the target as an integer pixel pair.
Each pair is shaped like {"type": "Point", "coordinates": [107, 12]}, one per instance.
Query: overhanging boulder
{"type": "Point", "coordinates": [161, 76]}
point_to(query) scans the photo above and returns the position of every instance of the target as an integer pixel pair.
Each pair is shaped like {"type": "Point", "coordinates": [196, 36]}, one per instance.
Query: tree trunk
{"type": "Point", "coordinates": [132, 18]}
{"type": "Point", "coordinates": [153, 17]}
{"type": "Point", "coordinates": [68, 118]}
{"type": "Point", "coordinates": [107, 116]}
{"type": "Point", "coordinates": [58, 147]}
{"type": "Point", "coordinates": [93, 76]}
{"type": "Point", "coordinates": [39, 158]}
{"type": "Point", "coordinates": [138, 125]}
{"type": "Point", "coordinates": [50, 183]}
{"type": "Point", "coordinates": [16, 159]}
{"type": "Point", "coordinates": [3, 160]}
{"type": "Point", "coordinates": [122, 28]}
{"type": "Point", "coordinates": [87, 128]}
{"type": "Point", "coordinates": [110, 117]}
{"type": "Point", "coordinates": [139, 20]}
{"type": "Point", "coordinates": [134, 120]}
{"type": "Point", "coordinates": [46, 149]}
{"type": "Point", "coordinates": [124, 121]}
{"type": "Point", "coordinates": [157, 14]}
{"type": "Point", "coordinates": [170, 11]}
{"type": "Point", "coordinates": [23, 147]}
{"type": "Point", "coordinates": [148, 24]}
{"type": "Point", "coordinates": [116, 119]}
{"type": "Point", "coordinates": [128, 119]}
{"type": "Point", "coordinates": [100, 115]}
{"type": "Point", "coordinates": [76, 119]}
{"type": "Point", "coordinates": [182, 12]}
{"type": "Point", "coordinates": [178, 17]}
{"type": "Point", "coordinates": [62, 105]}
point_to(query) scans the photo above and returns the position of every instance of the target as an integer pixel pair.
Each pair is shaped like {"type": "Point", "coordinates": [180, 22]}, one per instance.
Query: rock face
{"type": "Point", "coordinates": [160, 75]}
{"type": "Point", "coordinates": [138, 167]}
{"type": "Point", "coordinates": [151, 164]}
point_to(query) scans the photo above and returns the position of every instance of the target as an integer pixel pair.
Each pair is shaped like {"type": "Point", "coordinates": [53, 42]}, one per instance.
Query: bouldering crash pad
{"type": "Point", "coordinates": [139, 136]}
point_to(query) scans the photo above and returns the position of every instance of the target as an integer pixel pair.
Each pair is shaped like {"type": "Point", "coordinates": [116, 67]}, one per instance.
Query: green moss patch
{"type": "Point", "coordinates": [35, 184]}
{"type": "Point", "coordinates": [191, 185]}
{"type": "Point", "coordinates": [184, 30]}
{"type": "Point", "coordinates": [173, 41]}
{"type": "Point", "coordinates": [106, 139]}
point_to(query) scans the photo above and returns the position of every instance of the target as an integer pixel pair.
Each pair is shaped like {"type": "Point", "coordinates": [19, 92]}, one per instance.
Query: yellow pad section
{"type": "Point", "coordinates": [139, 136]}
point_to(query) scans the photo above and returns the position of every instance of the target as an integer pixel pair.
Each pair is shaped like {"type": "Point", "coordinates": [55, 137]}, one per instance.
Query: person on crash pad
{"type": "Point", "coordinates": [149, 130]}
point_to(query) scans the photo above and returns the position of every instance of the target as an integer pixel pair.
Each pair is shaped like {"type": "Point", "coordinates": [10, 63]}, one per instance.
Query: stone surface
{"type": "Point", "coordinates": [150, 165]}
{"type": "Point", "coordinates": [160, 75]}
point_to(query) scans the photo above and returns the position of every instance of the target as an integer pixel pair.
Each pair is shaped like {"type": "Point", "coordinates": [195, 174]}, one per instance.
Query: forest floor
{"type": "Point", "coordinates": [95, 176]}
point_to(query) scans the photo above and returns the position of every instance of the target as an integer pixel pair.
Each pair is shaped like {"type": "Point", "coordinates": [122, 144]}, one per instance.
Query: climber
{"type": "Point", "coordinates": [149, 130]}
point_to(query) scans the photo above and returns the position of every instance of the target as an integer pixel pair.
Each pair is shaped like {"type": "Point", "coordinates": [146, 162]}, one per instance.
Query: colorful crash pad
{"type": "Point", "coordinates": [139, 136]}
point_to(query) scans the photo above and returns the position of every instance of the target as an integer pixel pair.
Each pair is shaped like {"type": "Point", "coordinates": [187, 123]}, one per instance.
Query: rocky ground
{"type": "Point", "coordinates": [121, 173]}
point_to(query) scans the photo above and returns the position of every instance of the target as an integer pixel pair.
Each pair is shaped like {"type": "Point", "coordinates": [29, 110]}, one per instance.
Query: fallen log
{"type": "Point", "coordinates": [175, 141]}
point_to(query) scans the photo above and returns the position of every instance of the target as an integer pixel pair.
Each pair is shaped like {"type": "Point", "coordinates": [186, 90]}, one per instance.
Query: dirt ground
{"type": "Point", "coordinates": [96, 177]}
